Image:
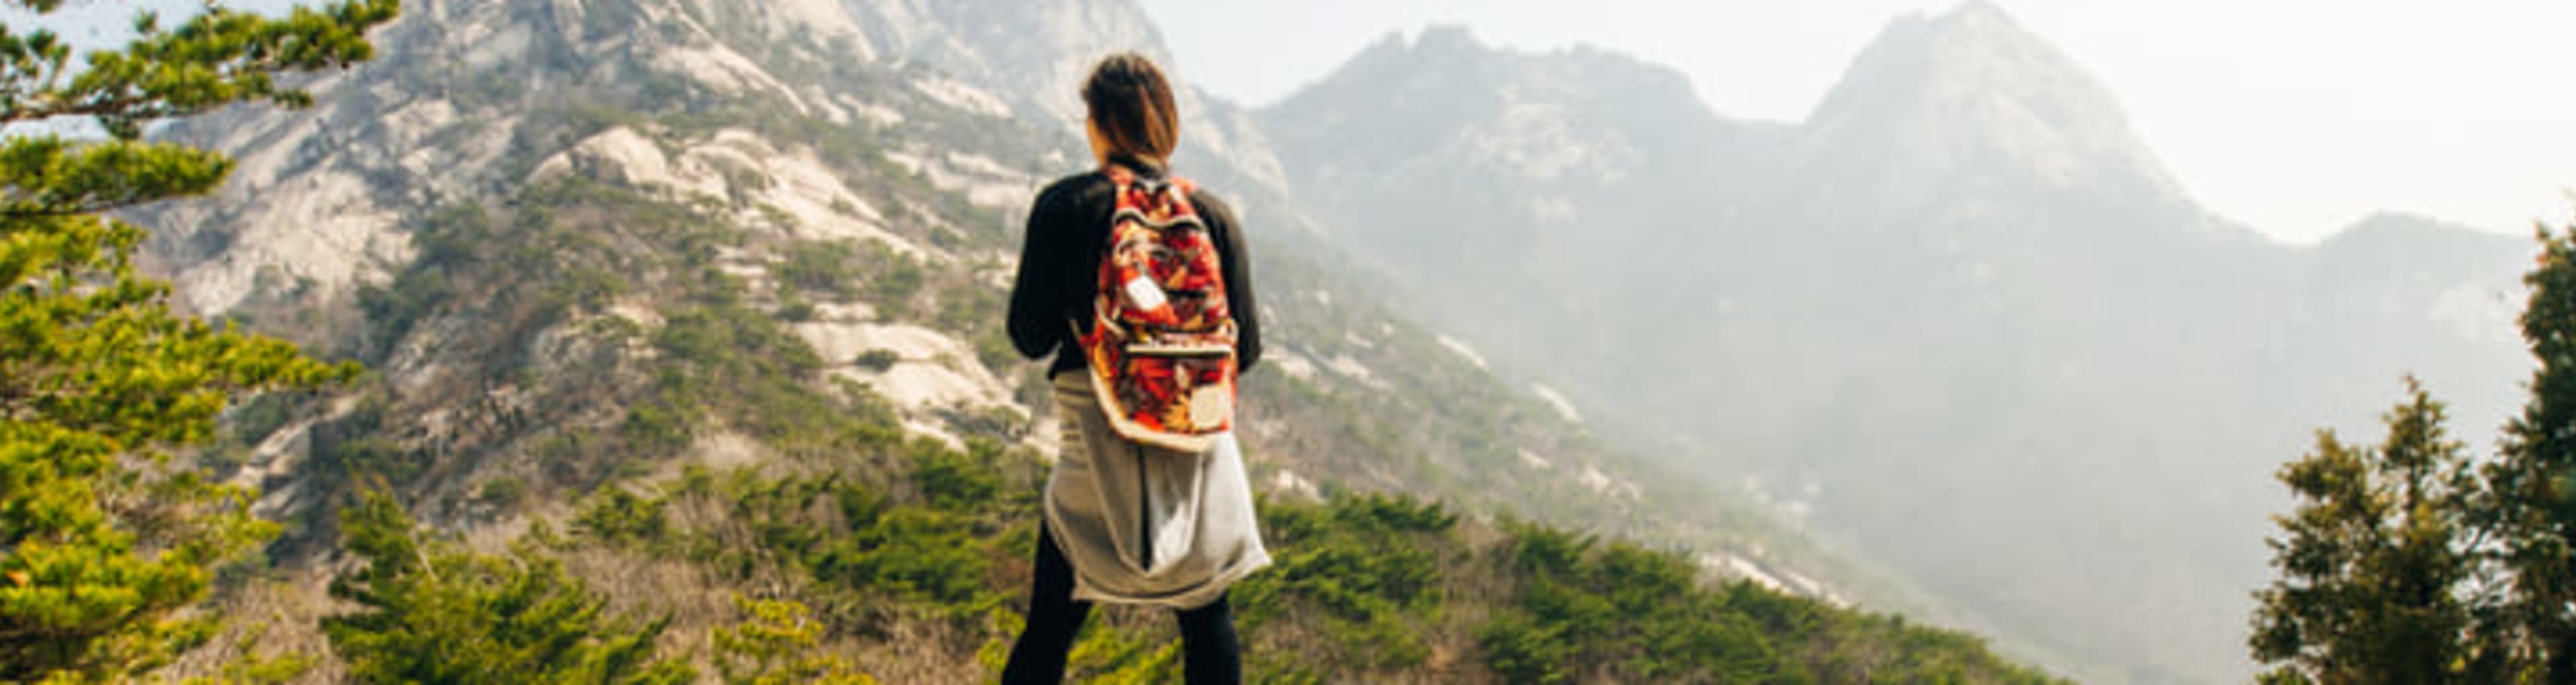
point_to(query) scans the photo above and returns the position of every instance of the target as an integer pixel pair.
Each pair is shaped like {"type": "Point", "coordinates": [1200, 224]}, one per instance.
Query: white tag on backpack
{"type": "Point", "coordinates": [1142, 292]}
{"type": "Point", "coordinates": [1210, 406]}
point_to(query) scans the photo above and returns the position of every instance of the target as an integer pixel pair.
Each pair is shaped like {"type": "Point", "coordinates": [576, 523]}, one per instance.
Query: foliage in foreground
{"type": "Point", "coordinates": [1365, 587]}
{"type": "Point", "coordinates": [2404, 562]}
{"type": "Point", "coordinates": [101, 544]}
{"type": "Point", "coordinates": [2531, 487]}
{"type": "Point", "coordinates": [433, 613]}
{"type": "Point", "coordinates": [777, 643]}
{"type": "Point", "coordinates": [2380, 574]}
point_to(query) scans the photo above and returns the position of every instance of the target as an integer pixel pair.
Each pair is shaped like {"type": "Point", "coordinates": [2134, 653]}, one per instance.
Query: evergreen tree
{"type": "Point", "coordinates": [434, 613]}
{"type": "Point", "coordinates": [2379, 561]}
{"type": "Point", "coordinates": [102, 537]}
{"type": "Point", "coordinates": [2533, 482]}
{"type": "Point", "coordinates": [778, 642]}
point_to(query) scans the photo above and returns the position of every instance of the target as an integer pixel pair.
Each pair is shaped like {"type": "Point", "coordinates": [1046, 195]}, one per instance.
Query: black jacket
{"type": "Point", "coordinates": [1060, 267]}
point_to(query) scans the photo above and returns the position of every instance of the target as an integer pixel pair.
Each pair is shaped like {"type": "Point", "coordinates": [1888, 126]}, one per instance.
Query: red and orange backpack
{"type": "Point", "coordinates": [1161, 343]}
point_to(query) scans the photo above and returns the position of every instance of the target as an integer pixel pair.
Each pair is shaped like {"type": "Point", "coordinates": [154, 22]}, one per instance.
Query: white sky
{"type": "Point", "coordinates": [89, 20]}
{"type": "Point", "coordinates": [2296, 116]}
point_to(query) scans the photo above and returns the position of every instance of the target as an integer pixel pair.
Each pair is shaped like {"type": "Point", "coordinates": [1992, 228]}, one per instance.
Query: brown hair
{"type": "Point", "coordinates": [1132, 106]}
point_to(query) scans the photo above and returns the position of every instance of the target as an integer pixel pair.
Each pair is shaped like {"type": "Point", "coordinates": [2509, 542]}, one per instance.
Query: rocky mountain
{"type": "Point", "coordinates": [1031, 58]}
{"type": "Point", "coordinates": [736, 270]}
{"type": "Point", "coordinates": [336, 228]}
{"type": "Point", "coordinates": [1959, 318]}
{"type": "Point", "coordinates": [1971, 97]}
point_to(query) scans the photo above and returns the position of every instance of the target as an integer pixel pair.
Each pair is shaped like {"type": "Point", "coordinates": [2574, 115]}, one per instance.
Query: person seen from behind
{"type": "Point", "coordinates": [1140, 286]}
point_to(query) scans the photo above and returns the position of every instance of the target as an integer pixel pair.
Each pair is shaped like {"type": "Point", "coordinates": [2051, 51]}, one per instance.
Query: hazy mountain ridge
{"type": "Point", "coordinates": [1532, 156]}
{"type": "Point", "coordinates": [1960, 316]}
{"type": "Point", "coordinates": [1971, 89]}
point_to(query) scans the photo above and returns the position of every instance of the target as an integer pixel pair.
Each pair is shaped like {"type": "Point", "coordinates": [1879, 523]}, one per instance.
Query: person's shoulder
{"type": "Point", "coordinates": [1078, 195]}
{"type": "Point", "coordinates": [1210, 204]}
{"type": "Point", "coordinates": [1075, 187]}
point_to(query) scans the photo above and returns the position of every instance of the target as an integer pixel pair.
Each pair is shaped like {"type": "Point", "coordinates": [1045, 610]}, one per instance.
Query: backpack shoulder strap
{"type": "Point", "coordinates": [1171, 189]}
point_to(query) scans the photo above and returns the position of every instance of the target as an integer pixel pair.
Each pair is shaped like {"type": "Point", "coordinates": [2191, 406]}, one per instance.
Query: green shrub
{"type": "Point", "coordinates": [432, 612]}
{"type": "Point", "coordinates": [822, 267]}
{"type": "Point", "coordinates": [502, 493]}
{"type": "Point", "coordinates": [956, 481]}
{"type": "Point", "coordinates": [619, 517]}
{"type": "Point", "coordinates": [1524, 650]}
{"type": "Point", "coordinates": [878, 359]}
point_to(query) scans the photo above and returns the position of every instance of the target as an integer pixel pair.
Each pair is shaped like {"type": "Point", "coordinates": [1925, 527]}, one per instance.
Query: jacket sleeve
{"type": "Point", "coordinates": [1037, 300]}
{"type": "Point", "coordinates": [1236, 256]}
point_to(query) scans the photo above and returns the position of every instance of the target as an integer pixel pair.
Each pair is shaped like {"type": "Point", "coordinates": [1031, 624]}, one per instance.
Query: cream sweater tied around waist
{"type": "Point", "coordinates": [1146, 525]}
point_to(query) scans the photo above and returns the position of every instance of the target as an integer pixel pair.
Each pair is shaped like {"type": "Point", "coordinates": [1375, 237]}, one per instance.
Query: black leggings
{"type": "Point", "coordinates": [1209, 651]}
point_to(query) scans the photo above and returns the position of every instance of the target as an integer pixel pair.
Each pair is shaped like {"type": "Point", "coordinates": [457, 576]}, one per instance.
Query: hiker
{"type": "Point", "coordinates": [1140, 286]}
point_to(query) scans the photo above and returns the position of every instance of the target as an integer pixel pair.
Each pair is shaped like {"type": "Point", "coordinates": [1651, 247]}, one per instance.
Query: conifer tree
{"type": "Point", "coordinates": [2533, 481]}
{"type": "Point", "coordinates": [778, 642]}
{"type": "Point", "coordinates": [2380, 561]}
{"type": "Point", "coordinates": [432, 612]}
{"type": "Point", "coordinates": [103, 538]}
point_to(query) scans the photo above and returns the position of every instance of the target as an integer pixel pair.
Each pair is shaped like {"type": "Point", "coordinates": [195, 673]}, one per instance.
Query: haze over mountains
{"type": "Point", "coordinates": [1959, 323]}
{"type": "Point", "coordinates": [1959, 317]}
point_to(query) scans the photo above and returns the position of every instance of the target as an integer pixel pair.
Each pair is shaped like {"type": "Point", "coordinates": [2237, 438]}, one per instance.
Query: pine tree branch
{"type": "Point", "coordinates": [215, 59]}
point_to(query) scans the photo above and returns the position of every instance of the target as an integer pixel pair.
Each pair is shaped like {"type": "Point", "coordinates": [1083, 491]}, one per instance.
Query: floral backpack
{"type": "Point", "coordinates": [1161, 344]}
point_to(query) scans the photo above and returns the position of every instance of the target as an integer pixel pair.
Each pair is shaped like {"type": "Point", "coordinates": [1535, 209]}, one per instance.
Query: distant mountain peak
{"type": "Point", "coordinates": [1980, 11]}
{"type": "Point", "coordinates": [1449, 37]}
{"type": "Point", "coordinates": [1972, 87]}
{"type": "Point", "coordinates": [1536, 116]}
{"type": "Point", "coordinates": [1433, 46]}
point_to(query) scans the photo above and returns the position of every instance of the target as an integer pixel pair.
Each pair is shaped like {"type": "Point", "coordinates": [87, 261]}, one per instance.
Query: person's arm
{"type": "Point", "coordinates": [1236, 258]}
{"type": "Point", "coordinates": [1037, 307]}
